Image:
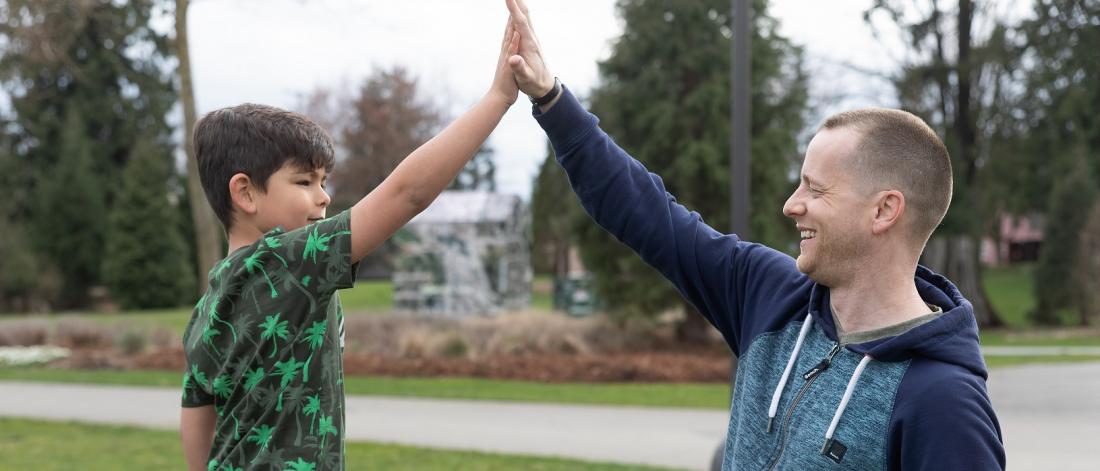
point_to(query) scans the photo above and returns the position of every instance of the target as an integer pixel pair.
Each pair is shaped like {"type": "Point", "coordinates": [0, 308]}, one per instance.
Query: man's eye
{"type": "Point", "coordinates": [304, 182]}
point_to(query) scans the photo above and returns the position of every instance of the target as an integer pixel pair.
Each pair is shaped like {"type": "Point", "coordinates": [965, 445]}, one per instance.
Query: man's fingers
{"type": "Point", "coordinates": [520, 68]}
{"type": "Point", "coordinates": [513, 8]}
{"type": "Point", "coordinates": [513, 45]}
{"type": "Point", "coordinates": [520, 20]}
{"type": "Point", "coordinates": [526, 13]}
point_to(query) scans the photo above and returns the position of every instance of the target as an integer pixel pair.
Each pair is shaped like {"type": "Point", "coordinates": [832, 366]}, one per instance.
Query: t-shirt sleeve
{"type": "Point", "coordinates": [195, 385]}
{"type": "Point", "coordinates": [316, 257]}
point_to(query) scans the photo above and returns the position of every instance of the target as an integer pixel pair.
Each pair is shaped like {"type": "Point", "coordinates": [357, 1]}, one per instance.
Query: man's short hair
{"type": "Point", "coordinates": [899, 151]}
{"type": "Point", "coordinates": [256, 140]}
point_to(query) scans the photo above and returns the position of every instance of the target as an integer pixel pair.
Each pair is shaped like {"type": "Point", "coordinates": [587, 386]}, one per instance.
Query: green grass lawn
{"type": "Point", "coordinates": [542, 292]}
{"type": "Point", "coordinates": [1011, 293]}
{"type": "Point", "coordinates": [1002, 361]}
{"type": "Point", "coordinates": [686, 395]}
{"type": "Point", "coordinates": [49, 446]}
{"type": "Point", "coordinates": [1013, 296]}
{"type": "Point", "coordinates": [373, 295]}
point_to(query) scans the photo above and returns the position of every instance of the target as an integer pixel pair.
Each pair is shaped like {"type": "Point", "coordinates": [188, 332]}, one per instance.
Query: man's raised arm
{"type": "Point", "coordinates": [710, 269]}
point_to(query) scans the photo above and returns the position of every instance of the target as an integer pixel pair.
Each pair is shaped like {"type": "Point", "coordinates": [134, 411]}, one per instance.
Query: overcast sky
{"type": "Point", "coordinates": [273, 51]}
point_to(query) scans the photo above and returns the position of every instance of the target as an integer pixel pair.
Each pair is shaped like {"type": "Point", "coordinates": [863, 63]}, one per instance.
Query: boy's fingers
{"type": "Point", "coordinates": [508, 30]}
{"type": "Point", "coordinates": [513, 45]}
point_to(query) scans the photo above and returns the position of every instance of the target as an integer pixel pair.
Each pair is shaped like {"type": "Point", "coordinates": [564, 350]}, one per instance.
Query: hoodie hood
{"type": "Point", "coordinates": [950, 338]}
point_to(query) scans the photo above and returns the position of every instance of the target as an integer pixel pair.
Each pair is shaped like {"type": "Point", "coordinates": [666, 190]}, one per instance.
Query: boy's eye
{"type": "Point", "coordinates": [303, 182]}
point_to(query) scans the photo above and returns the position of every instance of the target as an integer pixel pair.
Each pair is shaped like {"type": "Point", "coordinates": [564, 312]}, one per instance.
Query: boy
{"type": "Point", "coordinates": [263, 385]}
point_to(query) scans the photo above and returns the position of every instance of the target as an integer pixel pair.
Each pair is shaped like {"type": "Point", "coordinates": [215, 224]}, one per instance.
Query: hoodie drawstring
{"type": "Point", "coordinates": [844, 402]}
{"type": "Point", "coordinates": [787, 372]}
{"type": "Point", "coordinates": [774, 408]}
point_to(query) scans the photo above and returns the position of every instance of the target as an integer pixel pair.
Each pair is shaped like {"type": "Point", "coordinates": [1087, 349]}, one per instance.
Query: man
{"type": "Point", "coordinates": [850, 357]}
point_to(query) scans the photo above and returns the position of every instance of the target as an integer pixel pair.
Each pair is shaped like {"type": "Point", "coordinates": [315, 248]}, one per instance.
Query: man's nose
{"type": "Point", "coordinates": [794, 206]}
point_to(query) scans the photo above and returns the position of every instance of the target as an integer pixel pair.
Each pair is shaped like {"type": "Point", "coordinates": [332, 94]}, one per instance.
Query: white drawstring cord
{"type": "Point", "coordinates": [844, 401]}
{"type": "Point", "coordinates": [787, 372]}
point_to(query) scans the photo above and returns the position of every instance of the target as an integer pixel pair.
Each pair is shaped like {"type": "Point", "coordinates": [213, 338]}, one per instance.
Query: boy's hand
{"type": "Point", "coordinates": [532, 76]}
{"type": "Point", "coordinates": [504, 82]}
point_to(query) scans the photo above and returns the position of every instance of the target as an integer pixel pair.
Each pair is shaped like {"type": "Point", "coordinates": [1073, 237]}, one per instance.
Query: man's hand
{"type": "Point", "coordinates": [532, 76]}
{"type": "Point", "coordinates": [504, 81]}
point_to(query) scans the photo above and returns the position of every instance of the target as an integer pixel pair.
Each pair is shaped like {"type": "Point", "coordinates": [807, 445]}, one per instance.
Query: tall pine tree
{"type": "Point", "coordinates": [70, 213]}
{"type": "Point", "coordinates": [147, 263]}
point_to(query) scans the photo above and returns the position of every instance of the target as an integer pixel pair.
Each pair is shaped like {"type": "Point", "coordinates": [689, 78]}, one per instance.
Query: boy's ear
{"type": "Point", "coordinates": [243, 193]}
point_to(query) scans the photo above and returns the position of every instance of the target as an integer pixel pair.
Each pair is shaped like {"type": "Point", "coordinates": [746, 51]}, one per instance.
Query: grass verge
{"type": "Point", "coordinates": [687, 395]}
{"type": "Point", "coordinates": [49, 446]}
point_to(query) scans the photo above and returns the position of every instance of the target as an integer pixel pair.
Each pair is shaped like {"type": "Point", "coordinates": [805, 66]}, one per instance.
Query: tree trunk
{"type": "Point", "coordinates": [956, 257]}
{"type": "Point", "coordinates": [207, 234]}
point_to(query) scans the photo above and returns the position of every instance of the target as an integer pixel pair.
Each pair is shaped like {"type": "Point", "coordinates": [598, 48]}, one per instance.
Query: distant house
{"type": "Point", "coordinates": [467, 254]}
{"type": "Point", "coordinates": [1019, 239]}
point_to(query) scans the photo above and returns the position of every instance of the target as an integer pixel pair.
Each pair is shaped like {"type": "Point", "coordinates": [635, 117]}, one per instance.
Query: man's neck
{"type": "Point", "coordinates": [875, 300]}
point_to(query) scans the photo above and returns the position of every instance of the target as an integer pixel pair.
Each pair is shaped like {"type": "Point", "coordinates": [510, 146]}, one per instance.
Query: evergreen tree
{"type": "Point", "coordinates": [556, 216]}
{"type": "Point", "coordinates": [665, 97]}
{"type": "Point", "coordinates": [85, 79]}
{"type": "Point", "coordinates": [70, 214]}
{"type": "Point", "coordinates": [1071, 201]}
{"type": "Point", "coordinates": [147, 263]}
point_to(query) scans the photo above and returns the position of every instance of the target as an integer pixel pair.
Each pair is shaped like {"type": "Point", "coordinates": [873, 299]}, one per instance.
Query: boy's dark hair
{"type": "Point", "coordinates": [256, 140]}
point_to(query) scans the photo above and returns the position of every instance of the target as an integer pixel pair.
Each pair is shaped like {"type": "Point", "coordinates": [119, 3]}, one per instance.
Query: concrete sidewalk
{"type": "Point", "coordinates": [1050, 417]}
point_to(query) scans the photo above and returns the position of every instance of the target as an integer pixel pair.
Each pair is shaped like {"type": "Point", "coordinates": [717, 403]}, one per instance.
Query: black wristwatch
{"type": "Point", "coordinates": [549, 96]}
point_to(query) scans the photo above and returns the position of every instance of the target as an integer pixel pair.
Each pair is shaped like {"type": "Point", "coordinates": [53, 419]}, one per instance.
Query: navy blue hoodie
{"type": "Point", "coordinates": [802, 401]}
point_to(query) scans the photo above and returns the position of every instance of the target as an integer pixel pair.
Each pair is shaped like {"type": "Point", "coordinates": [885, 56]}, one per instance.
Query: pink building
{"type": "Point", "coordinates": [1020, 240]}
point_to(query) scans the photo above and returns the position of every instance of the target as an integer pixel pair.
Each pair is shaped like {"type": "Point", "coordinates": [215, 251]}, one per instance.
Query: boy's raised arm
{"type": "Point", "coordinates": [419, 179]}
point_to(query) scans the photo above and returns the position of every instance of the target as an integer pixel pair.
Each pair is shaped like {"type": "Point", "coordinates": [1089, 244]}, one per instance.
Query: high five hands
{"type": "Point", "coordinates": [526, 62]}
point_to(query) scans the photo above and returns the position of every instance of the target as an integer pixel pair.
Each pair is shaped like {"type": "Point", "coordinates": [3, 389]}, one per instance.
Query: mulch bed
{"type": "Point", "coordinates": [678, 365]}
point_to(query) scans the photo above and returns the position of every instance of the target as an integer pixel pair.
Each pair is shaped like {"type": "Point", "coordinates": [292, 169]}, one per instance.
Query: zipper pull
{"type": "Point", "coordinates": [823, 365]}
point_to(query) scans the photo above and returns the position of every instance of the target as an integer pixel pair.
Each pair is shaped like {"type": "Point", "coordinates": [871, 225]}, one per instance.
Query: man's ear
{"type": "Point", "coordinates": [889, 207]}
{"type": "Point", "coordinates": [243, 193]}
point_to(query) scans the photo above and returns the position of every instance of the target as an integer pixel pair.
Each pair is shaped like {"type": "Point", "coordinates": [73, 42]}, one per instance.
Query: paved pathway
{"type": "Point", "coordinates": [1050, 415]}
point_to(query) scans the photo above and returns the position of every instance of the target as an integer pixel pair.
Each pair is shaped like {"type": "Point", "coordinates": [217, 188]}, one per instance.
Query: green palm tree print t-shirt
{"type": "Point", "coordinates": [265, 347]}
